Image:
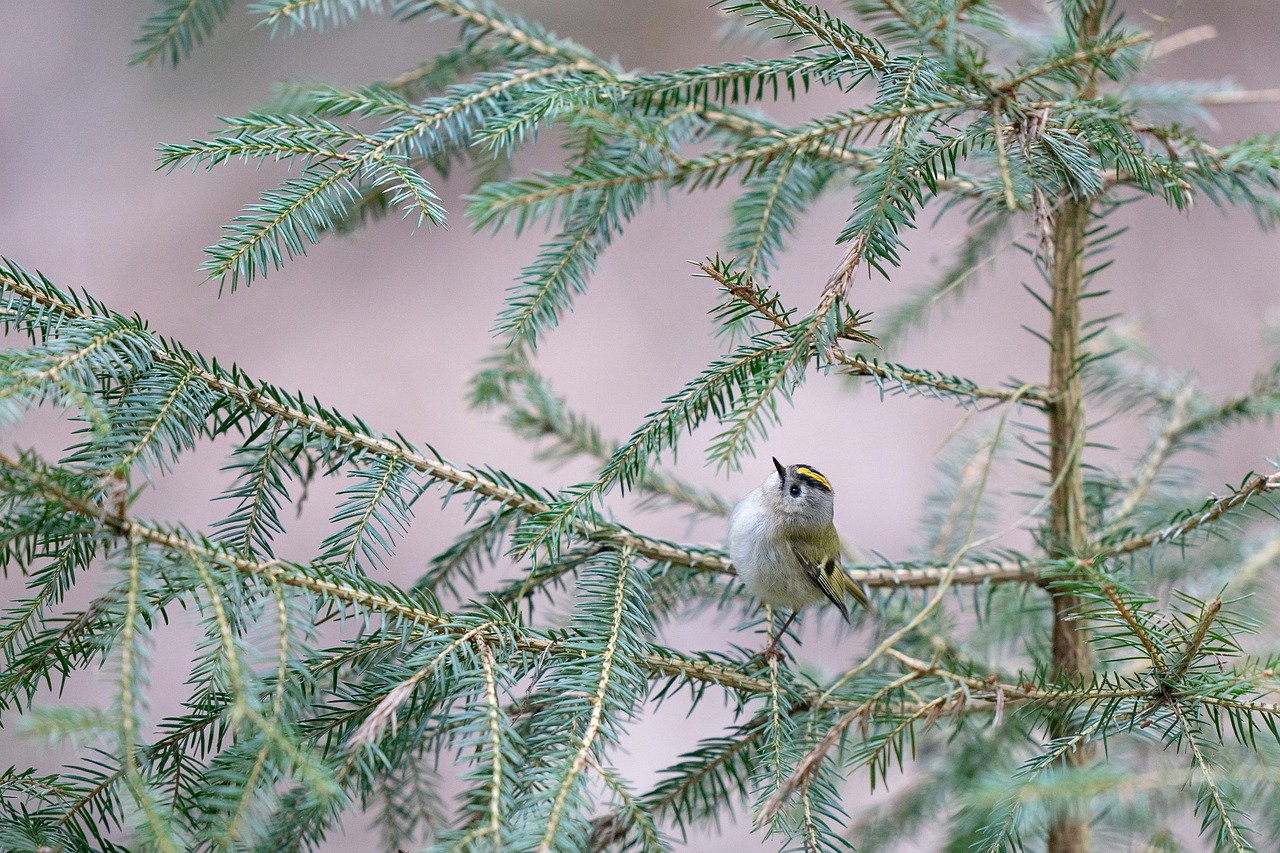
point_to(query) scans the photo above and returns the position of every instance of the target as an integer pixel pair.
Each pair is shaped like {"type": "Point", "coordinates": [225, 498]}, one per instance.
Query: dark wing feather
{"type": "Point", "coordinates": [827, 577]}
{"type": "Point", "coordinates": [855, 589]}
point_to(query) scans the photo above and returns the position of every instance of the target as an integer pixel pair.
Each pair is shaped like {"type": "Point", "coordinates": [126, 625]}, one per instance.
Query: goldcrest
{"type": "Point", "coordinates": [784, 545]}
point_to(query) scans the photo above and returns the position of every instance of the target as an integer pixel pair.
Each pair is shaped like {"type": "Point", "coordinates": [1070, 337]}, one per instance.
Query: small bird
{"type": "Point", "coordinates": [784, 544]}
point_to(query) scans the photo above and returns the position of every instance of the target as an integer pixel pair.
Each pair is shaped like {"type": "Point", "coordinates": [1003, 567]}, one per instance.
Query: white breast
{"type": "Point", "coordinates": [765, 562]}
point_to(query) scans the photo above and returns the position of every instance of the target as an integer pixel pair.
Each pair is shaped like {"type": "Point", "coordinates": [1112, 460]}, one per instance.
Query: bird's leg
{"type": "Point", "coordinates": [772, 650]}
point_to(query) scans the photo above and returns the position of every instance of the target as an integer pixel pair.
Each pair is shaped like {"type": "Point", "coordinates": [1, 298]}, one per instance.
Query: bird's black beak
{"type": "Point", "coordinates": [782, 469]}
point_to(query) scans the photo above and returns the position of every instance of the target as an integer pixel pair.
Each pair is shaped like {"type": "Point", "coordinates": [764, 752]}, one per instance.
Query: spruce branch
{"type": "Point", "coordinates": [1138, 630]}
{"type": "Point", "coordinates": [129, 716]}
{"type": "Point", "coordinates": [495, 720]}
{"type": "Point", "coordinates": [955, 106]}
{"type": "Point", "coordinates": [1155, 457]}
{"type": "Point", "coordinates": [484, 17]}
{"type": "Point", "coordinates": [1213, 510]}
{"type": "Point", "coordinates": [24, 287]}
{"type": "Point", "coordinates": [795, 19]}
{"type": "Point", "coordinates": [1218, 809]}
{"type": "Point", "coordinates": [894, 377]}
{"type": "Point", "coordinates": [741, 287]}
{"type": "Point", "coordinates": [1103, 48]}
{"type": "Point", "coordinates": [338, 586]}
{"type": "Point", "coordinates": [177, 28]}
{"type": "Point", "coordinates": [592, 730]}
{"type": "Point", "coordinates": [317, 421]}
{"type": "Point", "coordinates": [1208, 613]}
{"type": "Point", "coordinates": [304, 207]}
{"type": "Point", "coordinates": [735, 82]}
{"type": "Point", "coordinates": [829, 136]}
{"type": "Point", "coordinates": [908, 575]}
{"type": "Point", "coordinates": [533, 409]}
{"type": "Point", "coordinates": [366, 594]}
{"type": "Point", "coordinates": [314, 421]}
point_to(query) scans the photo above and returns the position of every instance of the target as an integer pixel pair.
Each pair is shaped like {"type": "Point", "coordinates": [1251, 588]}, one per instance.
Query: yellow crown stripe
{"type": "Point", "coordinates": [811, 474]}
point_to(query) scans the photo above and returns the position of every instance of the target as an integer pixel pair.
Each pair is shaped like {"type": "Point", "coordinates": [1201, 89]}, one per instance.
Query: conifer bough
{"type": "Point", "coordinates": [1105, 632]}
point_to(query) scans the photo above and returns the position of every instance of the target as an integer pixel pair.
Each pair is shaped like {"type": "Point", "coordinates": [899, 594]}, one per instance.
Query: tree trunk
{"type": "Point", "coordinates": [1069, 537]}
{"type": "Point", "coordinates": [1070, 831]}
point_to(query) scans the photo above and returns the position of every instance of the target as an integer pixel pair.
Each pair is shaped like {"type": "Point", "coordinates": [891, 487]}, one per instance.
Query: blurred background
{"type": "Point", "coordinates": [390, 324]}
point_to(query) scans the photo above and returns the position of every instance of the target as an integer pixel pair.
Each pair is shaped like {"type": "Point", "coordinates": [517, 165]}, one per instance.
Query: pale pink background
{"type": "Point", "coordinates": [390, 324]}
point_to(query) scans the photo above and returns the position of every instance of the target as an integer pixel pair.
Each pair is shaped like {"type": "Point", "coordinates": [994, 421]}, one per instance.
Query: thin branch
{"type": "Point", "coordinates": [1080, 56]}
{"type": "Point", "coordinates": [1002, 157]}
{"type": "Point", "coordinates": [909, 576]}
{"type": "Point", "coordinates": [856, 365]}
{"type": "Point", "coordinates": [1136, 627]}
{"type": "Point", "coordinates": [812, 760]}
{"type": "Point", "coordinates": [743, 288]}
{"type": "Point", "coordinates": [1239, 96]}
{"type": "Point", "coordinates": [1185, 38]}
{"type": "Point", "coordinates": [1157, 454]}
{"type": "Point", "coordinates": [989, 688]}
{"type": "Point", "coordinates": [494, 718]}
{"type": "Point", "coordinates": [1258, 485]}
{"type": "Point", "coordinates": [129, 706]}
{"type": "Point", "coordinates": [608, 659]}
{"type": "Point", "coordinates": [1024, 571]}
{"type": "Point", "coordinates": [1229, 831]}
{"type": "Point", "coordinates": [1208, 613]}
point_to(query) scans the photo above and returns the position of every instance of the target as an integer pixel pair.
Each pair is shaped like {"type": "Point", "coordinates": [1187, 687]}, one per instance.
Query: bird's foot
{"type": "Point", "coordinates": [771, 652]}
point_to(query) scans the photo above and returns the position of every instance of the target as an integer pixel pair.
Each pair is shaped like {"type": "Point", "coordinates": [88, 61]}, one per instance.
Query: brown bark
{"type": "Point", "coordinates": [1070, 831]}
